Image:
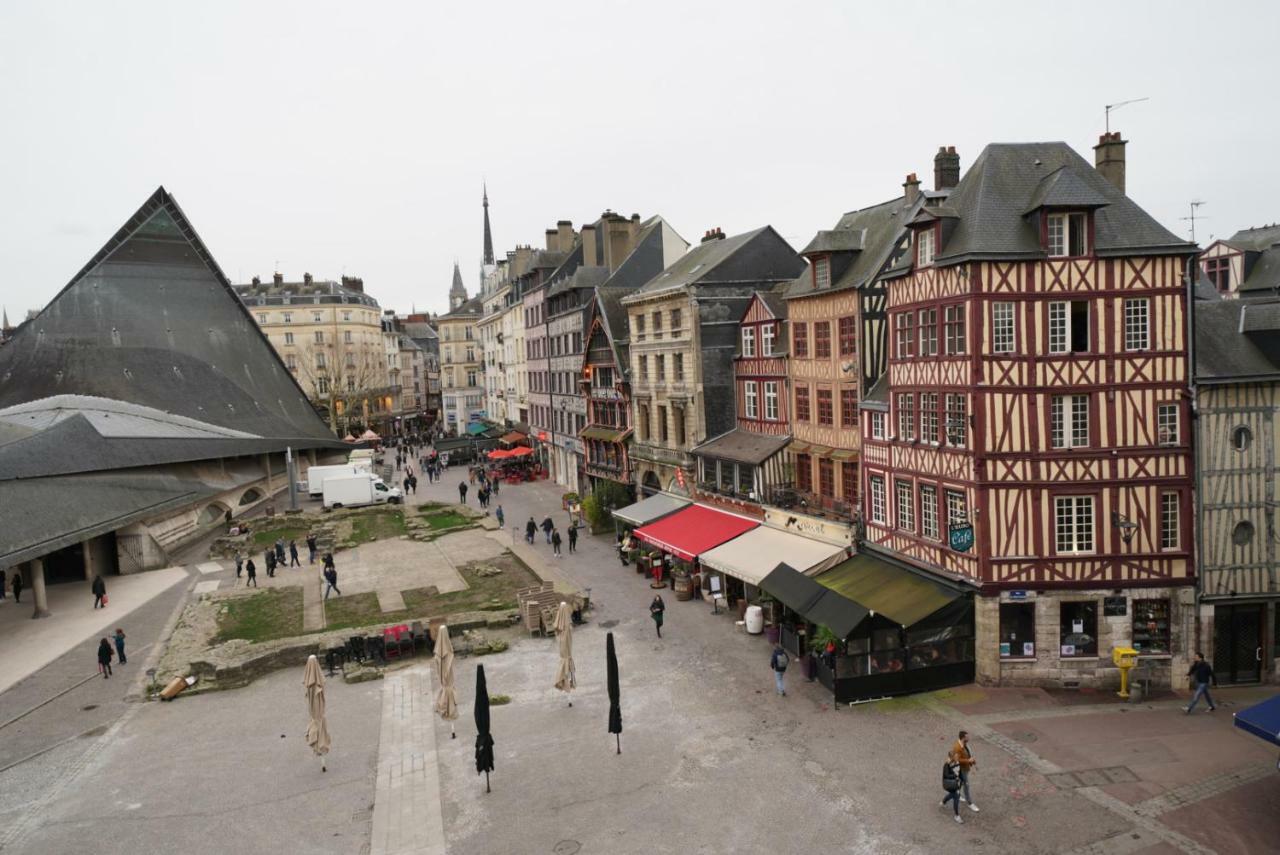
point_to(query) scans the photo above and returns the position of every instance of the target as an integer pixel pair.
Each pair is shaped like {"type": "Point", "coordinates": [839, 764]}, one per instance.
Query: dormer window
{"type": "Point", "coordinates": [766, 340]}
{"type": "Point", "coordinates": [924, 248]}
{"type": "Point", "coordinates": [1068, 235]}
{"type": "Point", "coordinates": [748, 341]}
{"type": "Point", "coordinates": [822, 273]}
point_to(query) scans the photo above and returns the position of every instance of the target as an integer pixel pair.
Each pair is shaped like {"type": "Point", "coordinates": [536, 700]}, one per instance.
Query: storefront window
{"type": "Point", "coordinates": [1017, 630]}
{"type": "Point", "coordinates": [1151, 627]}
{"type": "Point", "coordinates": [1078, 629]}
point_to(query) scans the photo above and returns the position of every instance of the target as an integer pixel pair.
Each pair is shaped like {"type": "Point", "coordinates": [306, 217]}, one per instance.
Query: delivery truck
{"type": "Point", "coordinates": [316, 475]}
{"type": "Point", "coordinates": [349, 491]}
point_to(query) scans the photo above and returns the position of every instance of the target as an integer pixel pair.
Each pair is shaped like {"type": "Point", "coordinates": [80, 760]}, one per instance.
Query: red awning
{"type": "Point", "coordinates": [520, 451]}
{"type": "Point", "coordinates": [693, 531]}
{"type": "Point", "coordinates": [499, 454]}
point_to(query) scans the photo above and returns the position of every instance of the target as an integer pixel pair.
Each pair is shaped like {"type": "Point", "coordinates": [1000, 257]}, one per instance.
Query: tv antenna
{"type": "Point", "coordinates": [1192, 219]}
{"type": "Point", "coordinates": [1120, 104]}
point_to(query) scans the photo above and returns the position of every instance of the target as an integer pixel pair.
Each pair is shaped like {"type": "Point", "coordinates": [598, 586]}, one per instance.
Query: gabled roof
{"type": "Point", "coordinates": [1255, 239]}
{"type": "Point", "coordinates": [1005, 183]}
{"type": "Point", "coordinates": [1232, 338]}
{"type": "Point", "coordinates": [774, 302]}
{"type": "Point", "coordinates": [471, 308]}
{"type": "Point", "coordinates": [748, 257]}
{"type": "Point", "coordinates": [882, 229]}
{"type": "Point", "coordinates": [152, 320]}
{"type": "Point", "coordinates": [835, 240]}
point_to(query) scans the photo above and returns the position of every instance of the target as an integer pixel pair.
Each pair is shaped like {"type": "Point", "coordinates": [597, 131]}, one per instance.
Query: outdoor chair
{"type": "Point", "coordinates": [356, 649]}
{"type": "Point", "coordinates": [421, 638]}
{"type": "Point", "coordinates": [390, 645]}
{"type": "Point", "coordinates": [375, 648]}
{"type": "Point", "coordinates": [406, 645]}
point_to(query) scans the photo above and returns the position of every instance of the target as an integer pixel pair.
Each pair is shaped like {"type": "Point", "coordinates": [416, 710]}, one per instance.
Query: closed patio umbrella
{"type": "Point", "coordinates": [566, 678]}
{"type": "Point", "coordinates": [447, 696]}
{"type": "Point", "coordinates": [615, 693]}
{"type": "Point", "coordinates": [317, 729]}
{"type": "Point", "coordinates": [484, 741]}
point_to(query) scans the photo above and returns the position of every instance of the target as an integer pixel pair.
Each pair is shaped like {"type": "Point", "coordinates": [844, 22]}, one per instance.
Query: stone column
{"type": "Point", "coordinates": [37, 589]}
{"type": "Point", "coordinates": [86, 549]}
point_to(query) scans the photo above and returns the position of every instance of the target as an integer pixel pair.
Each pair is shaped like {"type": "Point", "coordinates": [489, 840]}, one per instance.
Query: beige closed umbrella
{"type": "Point", "coordinates": [566, 678]}
{"type": "Point", "coordinates": [318, 728]}
{"type": "Point", "coordinates": [447, 697]}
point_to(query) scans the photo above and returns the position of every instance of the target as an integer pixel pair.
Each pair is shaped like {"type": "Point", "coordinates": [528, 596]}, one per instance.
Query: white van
{"type": "Point", "coordinates": [316, 476]}
{"type": "Point", "coordinates": [349, 491]}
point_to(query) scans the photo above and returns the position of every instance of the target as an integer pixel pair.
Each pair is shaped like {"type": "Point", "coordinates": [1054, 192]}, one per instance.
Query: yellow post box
{"type": "Point", "coordinates": [1125, 658]}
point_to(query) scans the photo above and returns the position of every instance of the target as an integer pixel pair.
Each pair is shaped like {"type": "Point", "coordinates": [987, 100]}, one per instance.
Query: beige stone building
{"type": "Point", "coordinates": [461, 355]}
{"type": "Point", "coordinates": [330, 336]}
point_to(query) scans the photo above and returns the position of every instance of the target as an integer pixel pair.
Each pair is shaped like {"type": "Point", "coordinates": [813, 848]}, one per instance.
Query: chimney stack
{"type": "Point", "coordinates": [565, 229]}
{"type": "Point", "coordinates": [277, 278]}
{"type": "Point", "coordinates": [946, 168]}
{"type": "Point", "coordinates": [713, 234]}
{"type": "Point", "coordinates": [1108, 158]}
{"type": "Point", "coordinates": [589, 246]}
{"type": "Point", "coordinates": [553, 240]}
{"type": "Point", "coordinates": [911, 189]}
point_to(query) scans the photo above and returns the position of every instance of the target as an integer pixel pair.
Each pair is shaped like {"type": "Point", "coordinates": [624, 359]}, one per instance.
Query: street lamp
{"type": "Point", "coordinates": [1126, 526]}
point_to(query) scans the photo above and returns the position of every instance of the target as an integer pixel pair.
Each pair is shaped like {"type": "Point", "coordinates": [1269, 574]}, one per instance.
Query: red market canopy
{"type": "Point", "coordinates": [694, 530]}
{"type": "Point", "coordinates": [499, 454]}
{"type": "Point", "coordinates": [521, 451]}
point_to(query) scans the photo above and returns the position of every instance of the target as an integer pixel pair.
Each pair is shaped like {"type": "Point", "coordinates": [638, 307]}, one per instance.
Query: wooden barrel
{"type": "Point", "coordinates": [684, 587]}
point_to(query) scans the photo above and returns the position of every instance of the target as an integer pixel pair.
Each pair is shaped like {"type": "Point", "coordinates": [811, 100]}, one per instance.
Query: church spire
{"type": "Point", "coordinates": [488, 235]}
{"type": "Point", "coordinates": [458, 291]}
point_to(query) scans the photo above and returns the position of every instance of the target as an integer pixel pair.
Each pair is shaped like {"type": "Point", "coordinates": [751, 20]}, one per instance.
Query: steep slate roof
{"type": "Point", "coordinates": [152, 320]}
{"type": "Point", "coordinates": [1232, 338]}
{"type": "Point", "coordinates": [719, 261]}
{"type": "Point", "coordinates": [1256, 239]}
{"type": "Point", "coordinates": [1007, 179]}
{"type": "Point", "coordinates": [742, 446]}
{"type": "Point", "coordinates": [472, 307]}
{"type": "Point", "coordinates": [879, 230]}
{"type": "Point", "coordinates": [1262, 259]}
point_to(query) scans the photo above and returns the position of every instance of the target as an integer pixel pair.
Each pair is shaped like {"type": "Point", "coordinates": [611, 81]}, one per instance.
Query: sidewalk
{"type": "Point", "coordinates": [29, 645]}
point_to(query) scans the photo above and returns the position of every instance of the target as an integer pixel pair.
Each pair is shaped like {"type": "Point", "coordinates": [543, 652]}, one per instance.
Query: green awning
{"type": "Point", "coordinates": [475, 428]}
{"type": "Point", "coordinates": [896, 592]}
{"type": "Point", "coordinates": [607, 434]}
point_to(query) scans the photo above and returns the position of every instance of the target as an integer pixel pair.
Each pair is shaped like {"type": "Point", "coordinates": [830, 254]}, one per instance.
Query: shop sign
{"type": "Point", "coordinates": [837, 534]}
{"type": "Point", "coordinates": [961, 536]}
{"type": "Point", "coordinates": [542, 436]}
{"type": "Point", "coordinates": [680, 478]}
{"type": "Point", "coordinates": [1115, 606]}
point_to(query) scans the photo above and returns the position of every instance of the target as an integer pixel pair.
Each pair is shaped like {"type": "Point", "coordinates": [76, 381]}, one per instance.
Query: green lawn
{"type": "Point", "coordinates": [270, 614]}
{"type": "Point", "coordinates": [377, 525]}
{"type": "Point", "coordinates": [446, 519]}
{"type": "Point", "coordinates": [264, 537]}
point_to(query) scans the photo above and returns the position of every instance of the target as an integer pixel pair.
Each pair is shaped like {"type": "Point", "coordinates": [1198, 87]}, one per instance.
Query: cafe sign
{"type": "Point", "coordinates": [961, 536]}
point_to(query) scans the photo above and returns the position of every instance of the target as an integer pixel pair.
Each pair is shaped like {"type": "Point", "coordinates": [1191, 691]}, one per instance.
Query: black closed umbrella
{"type": "Point", "coordinates": [484, 741]}
{"type": "Point", "coordinates": [615, 694]}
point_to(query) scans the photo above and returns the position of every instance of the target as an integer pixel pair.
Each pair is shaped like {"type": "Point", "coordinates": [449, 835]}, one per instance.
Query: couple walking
{"type": "Point", "coordinates": [955, 775]}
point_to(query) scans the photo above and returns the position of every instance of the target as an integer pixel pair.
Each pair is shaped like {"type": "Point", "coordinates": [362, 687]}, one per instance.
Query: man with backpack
{"type": "Point", "coordinates": [779, 662]}
{"type": "Point", "coordinates": [962, 757]}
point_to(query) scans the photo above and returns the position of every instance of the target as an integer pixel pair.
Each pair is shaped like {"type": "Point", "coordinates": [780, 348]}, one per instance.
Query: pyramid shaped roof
{"type": "Point", "coordinates": [152, 320]}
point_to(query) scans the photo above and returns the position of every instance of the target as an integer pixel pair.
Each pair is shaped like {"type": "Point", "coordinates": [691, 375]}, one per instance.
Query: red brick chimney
{"type": "Point", "coordinates": [713, 234]}
{"type": "Point", "coordinates": [911, 188]}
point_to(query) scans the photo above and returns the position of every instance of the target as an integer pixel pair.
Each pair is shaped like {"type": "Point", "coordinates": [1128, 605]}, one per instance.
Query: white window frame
{"type": "Point", "coordinates": [262, 319]}
{"type": "Point", "coordinates": [319, 337]}
{"type": "Point", "coordinates": [925, 247]}
{"type": "Point", "coordinates": [317, 318]}
{"type": "Point", "coordinates": [1167, 427]}
{"type": "Point", "coordinates": [288, 338]}
{"type": "Point", "coordinates": [288, 317]}
{"type": "Point", "coordinates": [1003, 327]}
{"type": "Point", "coordinates": [927, 324]}
{"type": "Point", "coordinates": [750, 400]}
{"type": "Point", "coordinates": [957, 419]}
{"type": "Point", "coordinates": [929, 511]}
{"type": "Point", "coordinates": [877, 425]}
{"type": "Point", "coordinates": [1069, 421]}
{"type": "Point", "coordinates": [904, 334]}
{"type": "Point", "coordinates": [1073, 525]}
{"type": "Point", "coordinates": [906, 416]}
{"type": "Point", "coordinates": [1061, 326]}
{"type": "Point", "coordinates": [957, 507]}
{"type": "Point", "coordinates": [748, 341]}
{"type": "Point", "coordinates": [1061, 228]}
{"type": "Point", "coordinates": [929, 418]}
{"type": "Point", "coordinates": [822, 273]}
{"type": "Point", "coordinates": [1137, 323]}
{"type": "Point", "coordinates": [1170, 520]}
{"type": "Point", "coordinates": [771, 400]}
{"type": "Point", "coordinates": [954, 317]}
{"type": "Point", "coordinates": [904, 506]}
{"type": "Point", "coordinates": [877, 499]}
{"type": "Point", "coordinates": [766, 339]}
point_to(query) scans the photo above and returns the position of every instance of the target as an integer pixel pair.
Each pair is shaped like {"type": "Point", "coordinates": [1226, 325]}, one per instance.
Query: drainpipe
{"type": "Point", "coordinates": [1198, 527]}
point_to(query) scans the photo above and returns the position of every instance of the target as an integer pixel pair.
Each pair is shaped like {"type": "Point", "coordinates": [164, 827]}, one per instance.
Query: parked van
{"type": "Point", "coordinates": [349, 491]}
{"type": "Point", "coordinates": [316, 476]}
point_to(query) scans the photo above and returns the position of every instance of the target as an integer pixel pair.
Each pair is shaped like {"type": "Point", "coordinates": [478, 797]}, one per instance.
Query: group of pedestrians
{"type": "Point", "coordinates": [16, 585]}
{"type": "Point", "coordinates": [105, 653]}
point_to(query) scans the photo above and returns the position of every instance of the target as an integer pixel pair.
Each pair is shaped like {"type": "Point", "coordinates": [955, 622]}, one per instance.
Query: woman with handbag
{"type": "Point", "coordinates": [951, 785]}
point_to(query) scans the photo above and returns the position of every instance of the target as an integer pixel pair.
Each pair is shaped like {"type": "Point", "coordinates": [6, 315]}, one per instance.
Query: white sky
{"type": "Point", "coordinates": [354, 137]}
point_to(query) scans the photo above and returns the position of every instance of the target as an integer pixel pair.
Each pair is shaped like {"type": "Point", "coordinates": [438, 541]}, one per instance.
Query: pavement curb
{"type": "Point", "coordinates": [138, 689]}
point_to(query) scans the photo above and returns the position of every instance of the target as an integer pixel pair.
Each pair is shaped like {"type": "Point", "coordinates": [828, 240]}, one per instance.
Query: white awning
{"type": "Point", "coordinates": [754, 555]}
{"type": "Point", "coordinates": [653, 508]}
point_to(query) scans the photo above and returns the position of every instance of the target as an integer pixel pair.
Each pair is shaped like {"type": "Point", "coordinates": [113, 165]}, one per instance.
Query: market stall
{"type": "Point", "coordinates": [677, 540]}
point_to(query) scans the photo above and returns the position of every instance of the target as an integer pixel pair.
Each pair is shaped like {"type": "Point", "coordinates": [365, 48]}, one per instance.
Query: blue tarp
{"type": "Point", "coordinates": [1262, 720]}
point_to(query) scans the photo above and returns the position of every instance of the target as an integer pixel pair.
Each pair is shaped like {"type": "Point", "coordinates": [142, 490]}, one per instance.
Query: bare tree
{"type": "Point", "coordinates": [344, 384]}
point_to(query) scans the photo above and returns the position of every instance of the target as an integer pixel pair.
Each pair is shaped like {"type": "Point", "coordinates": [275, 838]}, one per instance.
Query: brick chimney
{"type": "Point", "coordinates": [566, 235]}
{"type": "Point", "coordinates": [277, 278]}
{"type": "Point", "coordinates": [619, 240]}
{"type": "Point", "coordinates": [553, 240]}
{"type": "Point", "coordinates": [911, 188]}
{"type": "Point", "coordinates": [713, 234]}
{"type": "Point", "coordinates": [589, 245]}
{"type": "Point", "coordinates": [1108, 158]}
{"type": "Point", "coordinates": [352, 283]}
{"type": "Point", "coordinates": [946, 168]}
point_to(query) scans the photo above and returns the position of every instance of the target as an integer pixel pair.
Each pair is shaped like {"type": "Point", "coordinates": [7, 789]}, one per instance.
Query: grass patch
{"type": "Point", "coordinates": [264, 537]}
{"type": "Point", "coordinates": [382, 525]}
{"type": "Point", "coordinates": [446, 519]}
{"type": "Point", "coordinates": [431, 507]}
{"type": "Point", "coordinates": [499, 700]}
{"type": "Point", "coordinates": [356, 610]}
{"type": "Point", "coordinates": [273, 613]}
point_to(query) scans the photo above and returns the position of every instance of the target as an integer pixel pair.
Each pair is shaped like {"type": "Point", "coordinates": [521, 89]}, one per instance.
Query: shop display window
{"type": "Point", "coordinates": [1151, 627]}
{"type": "Point", "coordinates": [1078, 629]}
{"type": "Point", "coordinates": [1017, 630]}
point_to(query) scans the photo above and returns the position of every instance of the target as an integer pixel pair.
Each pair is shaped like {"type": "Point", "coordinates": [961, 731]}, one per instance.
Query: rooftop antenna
{"type": "Point", "coordinates": [1196, 203]}
{"type": "Point", "coordinates": [1120, 104]}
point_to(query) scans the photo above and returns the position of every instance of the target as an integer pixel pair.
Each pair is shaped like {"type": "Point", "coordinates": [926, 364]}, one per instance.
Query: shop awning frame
{"type": "Point", "coordinates": [652, 509]}
{"type": "Point", "coordinates": [693, 531]}
{"type": "Point", "coordinates": [752, 555]}
{"type": "Point", "coordinates": [818, 604]}
{"type": "Point", "coordinates": [895, 591]}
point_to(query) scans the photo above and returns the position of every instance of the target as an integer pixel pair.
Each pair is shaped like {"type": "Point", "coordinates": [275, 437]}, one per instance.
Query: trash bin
{"type": "Point", "coordinates": [754, 619]}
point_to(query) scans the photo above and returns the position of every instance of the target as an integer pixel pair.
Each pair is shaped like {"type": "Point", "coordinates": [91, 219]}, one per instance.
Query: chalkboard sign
{"type": "Point", "coordinates": [1115, 606]}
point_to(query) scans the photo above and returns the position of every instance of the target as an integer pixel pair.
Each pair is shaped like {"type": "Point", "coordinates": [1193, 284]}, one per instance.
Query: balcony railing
{"type": "Point", "coordinates": [789, 497]}
{"type": "Point", "coordinates": [728, 492]}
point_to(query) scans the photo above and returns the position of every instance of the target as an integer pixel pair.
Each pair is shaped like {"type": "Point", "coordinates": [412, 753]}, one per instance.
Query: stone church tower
{"type": "Point", "coordinates": [457, 292]}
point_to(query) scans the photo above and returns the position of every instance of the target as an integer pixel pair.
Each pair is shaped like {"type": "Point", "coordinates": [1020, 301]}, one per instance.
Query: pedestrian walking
{"type": "Point", "coordinates": [951, 786]}
{"type": "Point", "coordinates": [778, 661]}
{"type": "Point", "coordinates": [1201, 674]}
{"type": "Point", "coordinates": [530, 531]}
{"type": "Point", "coordinates": [497, 482]}
{"type": "Point", "coordinates": [622, 549]}
{"type": "Point", "coordinates": [251, 574]}
{"type": "Point", "coordinates": [573, 538]}
{"type": "Point", "coordinates": [413, 484]}
{"type": "Point", "coordinates": [555, 542]}
{"type": "Point", "coordinates": [471, 474]}
{"type": "Point", "coordinates": [331, 579]}
{"type": "Point", "coordinates": [271, 564]}
{"type": "Point", "coordinates": [547, 526]}
{"type": "Point", "coordinates": [119, 640]}
{"type": "Point", "coordinates": [17, 586]}
{"type": "Point", "coordinates": [2, 581]}
{"type": "Point", "coordinates": [279, 550]}
{"type": "Point", "coordinates": [311, 548]}
{"type": "Point", "coordinates": [502, 521]}
{"type": "Point", "coordinates": [104, 658]}
{"type": "Point", "coordinates": [328, 561]}
{"type": "Point", "coordinates": [962, 757]}
{"type": "Point", "coordinates": [406, 485]}
{"type": "Point", "coordinates": [656, 608]}
{"type": "Point", "coordinates": [293, 554]}
{"type": "Point", "coordinates": [239, 563]}
{"type": "Point", "coordinates": [99, 592]}
{"type": "Point", "coordinates": [462, 492]}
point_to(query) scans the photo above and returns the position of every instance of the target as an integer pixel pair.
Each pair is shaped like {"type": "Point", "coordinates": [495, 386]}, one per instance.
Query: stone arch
{"type": "Point", "coordinates": [212, 513]}
{"type": "Point", "coordinates": [250, 496]}
{"type": "Point", "coordinates": [651, 483]}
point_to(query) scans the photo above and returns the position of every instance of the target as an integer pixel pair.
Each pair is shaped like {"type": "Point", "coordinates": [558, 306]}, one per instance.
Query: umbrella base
{"type": "Point", "coordinates": [657, 584]}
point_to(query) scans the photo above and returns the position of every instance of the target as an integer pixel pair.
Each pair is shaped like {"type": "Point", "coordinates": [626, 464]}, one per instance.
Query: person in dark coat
{"type": "Point", "coordinates": [279, 550]}
{"type": "Point", "coordinates": [239, 564]}
{"type": "Point", "coordinates": [530, 531]}
{"type": "Point", "coordinates": [119, 640]}
{"type": "Point", "coordinates": [251, 574]}
{"type": "Point", "coordinates": [502, 520]}
{"type": "Point", "coordinates": [547, 526]}
{"type": "Point", "coordinates": [2, 581]}
{"type": "Point", "coordinates": [271, 563]}
{"type": "Point", "coordinates": [311, 548]}
{"type": "Point", "coordinates": [104, 658]}
{"type": "Point", "coordinates": [331, 579]}
{"type": "Point", "coordinates": [555, 541]}
{"type": "Point", "coordinates": [293, 554]}
{"type": "Point", "coordinates": [656, 608]}
{"type": "Point", "coordinates": [462, 492]}
{"type": "Point", "coordinates": [573, 538]}
{"type": "Point", "coordinates": [17, 586]}
{"type": "Point", "coordinates": [99, 591]}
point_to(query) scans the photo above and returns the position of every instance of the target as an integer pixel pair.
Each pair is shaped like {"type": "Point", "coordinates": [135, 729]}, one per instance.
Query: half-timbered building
{"type": "Point", "coordinates": [1238, 445]}
{"type": "Point", "coordinates": [1031, 434]}
{"type": "Point", "coordinates": [606, 385]}
{"type": "Point", "coordinates": [741, 467]}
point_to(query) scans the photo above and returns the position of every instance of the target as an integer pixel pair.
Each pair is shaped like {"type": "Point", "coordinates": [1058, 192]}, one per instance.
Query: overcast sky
{"type": "Point", "coordinates": [354, 137]}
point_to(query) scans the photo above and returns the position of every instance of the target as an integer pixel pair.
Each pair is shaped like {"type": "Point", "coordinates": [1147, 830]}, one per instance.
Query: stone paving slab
{"type": "Point", "coordinates": [206, 587]}
{"type": "Point", "coordinates": [407, 817]}
{"type": "Point", "coordinates": [390, 601]}
{"type": "Point", "coordinates": [209, 567]}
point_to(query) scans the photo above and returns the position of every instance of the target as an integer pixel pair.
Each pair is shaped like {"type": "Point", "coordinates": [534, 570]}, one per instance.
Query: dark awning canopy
{"type": "Point", "coordinates": [813, 601]}
{"type": "Point", "coordinates": [894, 591]}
